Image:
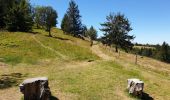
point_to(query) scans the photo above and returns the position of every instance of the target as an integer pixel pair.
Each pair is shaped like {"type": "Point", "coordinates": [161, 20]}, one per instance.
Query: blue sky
{"type": "Point", "coordinates": [150, 19]}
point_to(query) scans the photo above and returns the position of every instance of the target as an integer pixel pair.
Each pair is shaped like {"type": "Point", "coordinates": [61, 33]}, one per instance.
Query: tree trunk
{"type": "Point", "coordinates": [116, 49]}
{"type": "Point", "coordinates": [38, 26]}
{"type": "Point", "coordinates": [136, 60]}
{"type": "Point", "coordinates": [49, 32]}
{"type": "Point", "coordinates": [91, 43]}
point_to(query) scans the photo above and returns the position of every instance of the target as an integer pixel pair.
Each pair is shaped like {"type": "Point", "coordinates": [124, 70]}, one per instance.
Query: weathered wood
{"type": "Point", "coordinates": [136, 60]}
{"type": "Point", "coordinates": [35, 89]}
{"type": "Point", "coordinates": [135, 87]}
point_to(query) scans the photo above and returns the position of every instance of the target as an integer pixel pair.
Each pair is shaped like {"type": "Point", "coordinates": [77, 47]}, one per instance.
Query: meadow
{"type": "Point", "coordinates": [75, 70]}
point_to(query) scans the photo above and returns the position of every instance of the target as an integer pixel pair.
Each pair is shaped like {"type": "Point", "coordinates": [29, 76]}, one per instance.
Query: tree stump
{"type": "Point", "coordinates": [35, 89]}
{"type": "Point", "coordinates": [135, 87]}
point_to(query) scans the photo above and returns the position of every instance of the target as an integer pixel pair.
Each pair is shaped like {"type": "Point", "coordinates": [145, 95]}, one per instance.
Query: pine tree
{"type": "Point", "coordinates": [19, 17]}
{"type": "Point", "coordinates": [5, 6]}
{"type": "Point", "coordinates": [3, 10]}
{"type": "Point", "coordinates": [164, 52]}
{"type": "Point", "coordinates": [116, 30]}
{"type": "Point", "coordinates": [65, 23]}
{"type": "Point", "coordinates": [75, 25]}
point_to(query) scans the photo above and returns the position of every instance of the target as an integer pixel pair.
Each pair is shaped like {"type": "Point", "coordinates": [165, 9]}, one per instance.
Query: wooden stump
{"type": "Point", "coordinates": [135, 87]}
{"type": "Point", "coordinates": [35, 89]}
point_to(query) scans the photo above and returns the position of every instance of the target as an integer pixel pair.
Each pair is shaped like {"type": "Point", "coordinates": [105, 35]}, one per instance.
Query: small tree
{"type": "Point", "coordinates": [38, 15]}
{"type": "Point", "coordinates": [83, 30]}
{"type": "Point", "coordinates": [116, 30]}
{"type": "Point", "coordinates": [45, 17]}
{"type": "Point", "coordinates": [50, 19]}
{"type": "Point", "coordinates": [65, 23]}
{"type": "Point", "coordinates": [92, 34]}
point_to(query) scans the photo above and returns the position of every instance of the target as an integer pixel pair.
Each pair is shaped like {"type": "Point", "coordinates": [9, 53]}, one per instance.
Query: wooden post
{"type": "Point", "coordinates": [136, 60]}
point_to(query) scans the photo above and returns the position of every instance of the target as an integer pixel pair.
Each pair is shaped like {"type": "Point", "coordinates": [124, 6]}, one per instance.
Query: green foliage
{"type": "Point", "coordinates": [4, 10]}
{"type": "Point", "coordinates": [84, 29]}
{"type": "Point", "coordinates": [165, 52]}
{"type": "Point", "coordinates": [46, 17]}
{"type": "Point", "coordinates": [65, 23]}
{"type": "Point", "coordinates": [116, 30]}
{"type": "Point", "coordinates": [50, 19]}
{"type": "Point", "coordinates": [92, 34]}
{"type": "Point", "coordinates": [155, 51]}
{"type": "Point", "coordinates": [38, 20]}
{"type": "Point", "coordinates": [74, 19]}
{"type": "Point", "coordinates": [19, 16]}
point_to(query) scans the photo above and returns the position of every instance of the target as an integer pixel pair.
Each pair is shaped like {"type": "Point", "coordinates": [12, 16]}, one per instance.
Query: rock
{"type": "Point", "coordinates": [35, 89]}
{"type": "Point", "coordinates": [135, 87]}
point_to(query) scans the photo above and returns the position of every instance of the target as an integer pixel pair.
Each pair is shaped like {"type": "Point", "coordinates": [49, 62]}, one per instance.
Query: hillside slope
{"type": "Point", "coordinates": [75, 70]}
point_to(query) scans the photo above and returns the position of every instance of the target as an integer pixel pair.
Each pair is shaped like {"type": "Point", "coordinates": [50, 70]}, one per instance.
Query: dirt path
{"type": "Point", "coordinates": [96, 50]}
{"type": "Point", "coordinates": [46, 47]}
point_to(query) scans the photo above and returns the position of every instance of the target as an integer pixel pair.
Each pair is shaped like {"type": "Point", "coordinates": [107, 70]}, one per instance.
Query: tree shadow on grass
{"type": "Point", "coordinates": [146, 96]}
{"type": "Point", "coordinates": [53, 98]}
{"type": "Point", "coordinates": [59, 38]}
{"type": "Point", "coordinates": [10, 80]}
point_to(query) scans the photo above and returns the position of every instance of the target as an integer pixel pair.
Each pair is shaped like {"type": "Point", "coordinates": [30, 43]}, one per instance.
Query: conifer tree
{"type": "Point", "coordinates": [19, 17]}
{"type": "Point", "coordinates": [164, 52]}
{"type": "Point", "coordinates": [74, 19]}
{"type": "Point", "coordinates": [116, 30]}
{"type": "Point", "coordinates": [65, 23]}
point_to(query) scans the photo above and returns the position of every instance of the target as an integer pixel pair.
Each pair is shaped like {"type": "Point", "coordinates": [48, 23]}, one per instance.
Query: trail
{"type": "Point", "coordinates": [96, 50]}
{"type": "Point", "coordinates": [51, 49]}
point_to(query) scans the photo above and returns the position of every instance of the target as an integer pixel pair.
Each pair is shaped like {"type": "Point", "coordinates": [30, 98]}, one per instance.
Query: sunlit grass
{"type": "Point", "coordinates": [75, 78]}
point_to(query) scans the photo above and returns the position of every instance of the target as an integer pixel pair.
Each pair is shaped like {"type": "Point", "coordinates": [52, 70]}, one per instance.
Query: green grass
{"type": "Point", "coordinates": [72, 77]}
{"type": "Point", "coordinates": [73, 51]}
{"type": "Point", "coordinates": [20, 47]}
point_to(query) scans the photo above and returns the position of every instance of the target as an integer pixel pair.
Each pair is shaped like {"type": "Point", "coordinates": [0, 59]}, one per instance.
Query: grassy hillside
{"type": "Point", "coordinates": [30, 48]}
{"type": "Point", "coordinates": [64, 60]}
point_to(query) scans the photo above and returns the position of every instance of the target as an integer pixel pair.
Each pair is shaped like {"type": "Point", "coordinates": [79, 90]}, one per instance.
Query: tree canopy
{"type": "Point", "coordinates": [92, 34]}
{"type": "Point", "coordinates": [45, 17]}
{"type": "Point", "coordinates": [65, 23]}
{"type": "Point", "coordinates": [72, 20]}
{"type": "Point", "coordinates": [116, 30]}
{"type": "Point", "coordinates": [16, 15]}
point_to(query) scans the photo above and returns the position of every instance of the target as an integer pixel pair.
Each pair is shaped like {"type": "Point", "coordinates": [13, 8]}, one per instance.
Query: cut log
{"type": "Point", "coordinates": [35, 89]}
{"type": "Point", "coordinates": [135, 87]}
